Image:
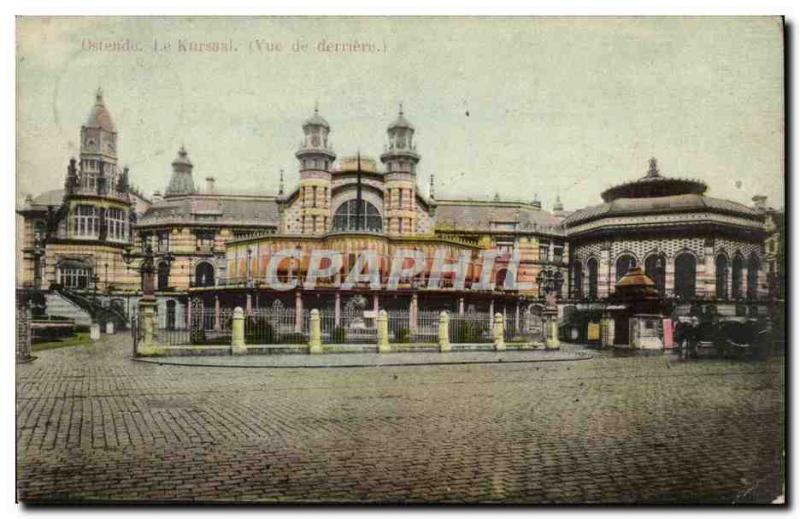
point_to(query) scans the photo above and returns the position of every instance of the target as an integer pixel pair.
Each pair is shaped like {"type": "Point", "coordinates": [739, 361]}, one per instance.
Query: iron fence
{"type": "Point", "coordinates": [263, 326]}
{"type": "Point", "coordinates": [348, 327]}
{"type": "Point", "coordinates": [276, 326]}
{"type": "Point", "coordinates": [471, 327]}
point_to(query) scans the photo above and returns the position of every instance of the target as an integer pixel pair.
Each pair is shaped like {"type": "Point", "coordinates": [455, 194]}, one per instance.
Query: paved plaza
{"type": "Point", "coordinates": [92, 424]}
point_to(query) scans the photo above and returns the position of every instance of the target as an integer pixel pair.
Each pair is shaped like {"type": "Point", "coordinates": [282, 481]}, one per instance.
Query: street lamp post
{"type": "Point", "coordinates": [550, 283]}
{"type": "Point", "coordinates": [147, 268]}
{"type": "Point", "coordinates": [147, 304]}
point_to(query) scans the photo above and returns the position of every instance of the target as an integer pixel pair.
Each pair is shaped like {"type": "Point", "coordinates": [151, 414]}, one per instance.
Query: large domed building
{"type": "Point", "coordinates": [692, 245]}
{"type": "Point", "coordinates": [81, 245]}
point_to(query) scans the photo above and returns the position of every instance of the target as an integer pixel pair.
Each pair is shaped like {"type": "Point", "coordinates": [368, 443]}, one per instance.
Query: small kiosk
{"type": "Point", "coordinates": [642, 309]}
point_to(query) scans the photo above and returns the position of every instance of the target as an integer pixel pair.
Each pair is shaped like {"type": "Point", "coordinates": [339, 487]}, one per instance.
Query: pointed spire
{"type": "Point", "coordinates": [401, 121]}
{"type": "Point", "coordinates": [316, 106]}
{"type": "Point", "coordinates": [99, 96]}
{"type": "Point", "coordinates": [652, 171]}
{"type": "Point", "coordinates": [280, 184]}
{"type": "Point", "coordinates": [431, 193]}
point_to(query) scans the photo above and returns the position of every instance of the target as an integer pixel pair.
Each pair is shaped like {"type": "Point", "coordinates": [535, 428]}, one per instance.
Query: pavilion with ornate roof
{"type": "Point", "coordinates": [693, 246]}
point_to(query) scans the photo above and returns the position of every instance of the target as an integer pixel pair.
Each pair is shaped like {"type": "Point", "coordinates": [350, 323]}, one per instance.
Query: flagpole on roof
{"type": "Point", "coordinates": [358, 192]}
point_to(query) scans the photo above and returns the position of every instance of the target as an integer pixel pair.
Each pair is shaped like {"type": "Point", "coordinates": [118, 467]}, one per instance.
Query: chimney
{"type": "Point", "coordinates": [760, 202]}
{"type": "Point", "coordinates": [210, 184]}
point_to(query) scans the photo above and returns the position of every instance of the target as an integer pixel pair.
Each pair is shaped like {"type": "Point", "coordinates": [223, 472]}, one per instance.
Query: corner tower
{"type": "Point", "coordinates": [400, 158]}
{"type": "Point", "coordinates": [316, 158]}
{"type": "Point", "coordinates": [97, 199]}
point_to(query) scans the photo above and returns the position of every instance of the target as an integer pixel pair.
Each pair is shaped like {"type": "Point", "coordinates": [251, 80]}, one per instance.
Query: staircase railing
{"type": "Point", "coordinates": [94, 308]}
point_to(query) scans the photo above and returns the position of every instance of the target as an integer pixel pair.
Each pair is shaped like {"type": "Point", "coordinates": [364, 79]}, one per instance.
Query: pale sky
{"type": "Point", "coordinates": [523, 106]}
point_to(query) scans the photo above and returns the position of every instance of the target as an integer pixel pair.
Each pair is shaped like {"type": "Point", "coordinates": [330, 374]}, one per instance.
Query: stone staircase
{"type": "Point", "coordinates": [83, 309]}
{"type": "Point", "coordinates": [63, 307]}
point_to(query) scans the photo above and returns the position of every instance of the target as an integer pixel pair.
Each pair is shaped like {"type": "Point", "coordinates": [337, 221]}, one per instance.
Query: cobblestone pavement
{"type": "Point", "coordinates": [94, 425]}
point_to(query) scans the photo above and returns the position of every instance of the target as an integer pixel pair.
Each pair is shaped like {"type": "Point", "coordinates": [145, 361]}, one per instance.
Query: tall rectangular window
{"type": "Point", "coordinates": [117, 224]}
{"type": "Point", "coordinates": [84, 221]}
{"type": "Point", "coordinates": [162, 243]}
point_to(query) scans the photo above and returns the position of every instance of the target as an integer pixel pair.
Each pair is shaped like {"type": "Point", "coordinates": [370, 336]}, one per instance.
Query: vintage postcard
{"type": "Point", "coordinates": [362, 260]}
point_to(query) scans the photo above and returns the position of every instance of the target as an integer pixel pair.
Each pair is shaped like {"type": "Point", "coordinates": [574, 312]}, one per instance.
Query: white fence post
{"type": "Point", "coordinates": [237, 332]}
{"type": "Point", "coordinates": [383, 332]}
{"type": "Point", "coordinates": [444, 332]}
{"type": "Point", "coordinates": [499, 332]}
{"type": "Point", "coordinates": [314, 333]}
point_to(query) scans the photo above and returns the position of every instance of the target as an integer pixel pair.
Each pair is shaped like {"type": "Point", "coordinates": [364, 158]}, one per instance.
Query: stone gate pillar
{"type": "Point", "coordinates": [237, 332]}
{"type": "Point", "coordinates": [314, 333]}
{"type": "Point", "coordinates": [444, 332]}
{"type": "Point", "coordinates": [383, 332]}
{"type": "Point", "coordinates": [498, 332]}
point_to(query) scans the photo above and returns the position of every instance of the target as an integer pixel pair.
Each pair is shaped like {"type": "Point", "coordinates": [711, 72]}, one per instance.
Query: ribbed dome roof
{"type": "Point", "coordinates": [316, 120]}
{"type": "Point", "coordinates": [182, 158]}
{"type": "Point", "coordinates": [654, 194]}
{"type": "Point", "coordinates": [661, 204]}
{"type": "Point", "coordinates": [181, 181]}
{"type": "Point", "coordinates": [100, 117]}
{"type": "Point", "coordinates": [654, 185]}
{"type": "Point", "coordinates": [401, 121]}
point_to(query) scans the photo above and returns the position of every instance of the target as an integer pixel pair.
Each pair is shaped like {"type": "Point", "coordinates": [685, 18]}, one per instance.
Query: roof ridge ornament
{"type": "Point", "coordinates": [99, 96]}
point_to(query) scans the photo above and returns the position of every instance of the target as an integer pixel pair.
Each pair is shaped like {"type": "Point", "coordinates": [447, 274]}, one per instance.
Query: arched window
{"type": "Point", "coordinates": [624, 264]}
{"type": "Point", "coordinates": [736, 276]}
{"type": "Point", "coordinates": [577, 280]}
{"type": "Point", "coordinates": [500, 279]}
{"type": "Point", "coordinates": [591, 266]}
{"type": "Point", "coordinates": [752, 276]}
{"type": "Point", "coordinates": [685, 273]}
{"type": "Point", "coordinates": [348, 217]}
{"type": "Point", "coordinates": [655, 268]}
{"type": "Point", "coordinates": [74, 274]}
{"type": "Point", "coordinates": [721, 267]}
{"type": "Point", "coordinates": [204, 275]}
{"type": "Point", "coordinates": [163, 275]}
